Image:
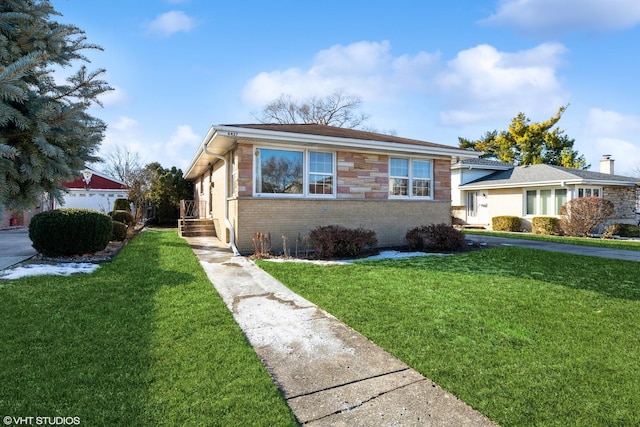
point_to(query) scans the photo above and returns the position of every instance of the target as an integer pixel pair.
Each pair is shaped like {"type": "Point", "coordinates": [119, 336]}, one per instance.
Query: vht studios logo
{"type": "Point", "coordinates": [40, 421]}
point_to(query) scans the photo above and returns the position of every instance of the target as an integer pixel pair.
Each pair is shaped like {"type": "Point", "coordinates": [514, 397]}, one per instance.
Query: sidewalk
{"type": "Point", "coordinates": [328, 373]}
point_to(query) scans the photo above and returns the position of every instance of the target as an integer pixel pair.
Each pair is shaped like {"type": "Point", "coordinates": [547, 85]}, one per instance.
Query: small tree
{"type": "Point", "coordinates": [127, 167]}
{"type": "Point", "coordinates": [580, 217]}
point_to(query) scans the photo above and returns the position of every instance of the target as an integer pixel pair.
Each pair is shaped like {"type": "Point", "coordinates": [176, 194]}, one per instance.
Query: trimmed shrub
{"type": "Point", "coordinates": [336, 241]}
{"type": "Point", "coordinates": [119, 232]}
{"type": "Point", "coordinates": [122, 205]}
{"type": "Point", "coordinates": [545, 225]}
{"type": "Point", "coordinates": [580, 217]}
{"type": "Point", "coordinates": [70, 231]}
{"type": "Point", "coordinates": [435, 237]}
{"type": "Point", "coordinates": [625, 230]}
{"type": "Point", "coordinates": [122, 216]}
{"type": "Point", "coordinates": [506, 223]}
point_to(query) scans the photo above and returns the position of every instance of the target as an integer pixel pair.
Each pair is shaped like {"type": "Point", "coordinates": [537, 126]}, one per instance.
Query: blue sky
{"type": "Point", "coordinates": [432, 71]}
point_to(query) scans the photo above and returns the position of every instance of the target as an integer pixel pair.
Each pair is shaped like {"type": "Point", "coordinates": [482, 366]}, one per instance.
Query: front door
{"type": "Point", "coordinates": [477, 208]}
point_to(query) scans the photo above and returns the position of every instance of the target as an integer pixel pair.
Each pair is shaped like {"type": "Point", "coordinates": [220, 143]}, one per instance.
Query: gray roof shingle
{"type": "Point", "coordinates": [547, 174]}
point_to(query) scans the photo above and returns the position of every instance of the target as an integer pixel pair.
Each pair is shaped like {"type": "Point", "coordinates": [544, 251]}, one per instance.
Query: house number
{"type": "Point", "coordinates": [232, 133]}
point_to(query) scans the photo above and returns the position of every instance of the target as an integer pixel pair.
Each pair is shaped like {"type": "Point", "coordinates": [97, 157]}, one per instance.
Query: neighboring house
{"type": "Point", "coordinates": [487, 189]}
{"type": "Point", "coordinates": [286, 180]}
{"type": "Point", "coordinates": [92, 190]}
{"type": "Point", "coordinates": [12, 218]}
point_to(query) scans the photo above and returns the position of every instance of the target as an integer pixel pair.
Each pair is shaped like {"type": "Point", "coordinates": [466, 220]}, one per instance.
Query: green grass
{"type": "Point", "coordinates": [527, 337]}
{"type": "Point", "coordinates": [632, 245]}
{"type": "Point", "coordinates": [145, 340]}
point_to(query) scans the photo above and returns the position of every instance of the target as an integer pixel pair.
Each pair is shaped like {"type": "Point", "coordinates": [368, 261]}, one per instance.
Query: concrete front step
{"type": "Point", "coordinates": [190, 233]}
{"type": "Point", "coordinates": [196, 227]}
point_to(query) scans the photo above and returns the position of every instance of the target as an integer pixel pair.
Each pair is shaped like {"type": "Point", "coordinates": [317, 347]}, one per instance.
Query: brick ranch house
{"type": "Point", "coordinates": [287, 179]}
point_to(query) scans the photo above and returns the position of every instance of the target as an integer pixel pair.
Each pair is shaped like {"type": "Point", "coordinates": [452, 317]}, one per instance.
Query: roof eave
{"type": "Point", "coordinates": [339, 142]}
{"type": "Point", "coordinates": [562, 183]}
{"type": "Point", "coordinates": [226, 136]}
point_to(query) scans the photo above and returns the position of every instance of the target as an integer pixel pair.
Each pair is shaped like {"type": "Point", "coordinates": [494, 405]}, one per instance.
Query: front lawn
{"type": "Point", "coordinates": [527, 337]}
{"type": "Point", "coordinates": [144, 341]}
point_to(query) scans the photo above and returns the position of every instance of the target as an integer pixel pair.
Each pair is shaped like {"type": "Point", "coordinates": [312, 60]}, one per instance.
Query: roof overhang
{"type": "Point", "coordinates": [220, 139]}
{"type": "Point", "coordinates": [555, 183]}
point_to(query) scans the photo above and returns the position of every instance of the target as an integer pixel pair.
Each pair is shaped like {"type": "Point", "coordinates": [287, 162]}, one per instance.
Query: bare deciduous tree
{"type": "Point", "coordinates": [127, 167]}
{"type": "Point", "coordinates": [338, 109]}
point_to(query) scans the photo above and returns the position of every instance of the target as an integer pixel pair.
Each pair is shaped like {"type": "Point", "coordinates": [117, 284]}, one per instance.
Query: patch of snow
{"type": "Point", "coordinates": [381, 256]}
{"type": "Point", "coordinates": [63, 269]}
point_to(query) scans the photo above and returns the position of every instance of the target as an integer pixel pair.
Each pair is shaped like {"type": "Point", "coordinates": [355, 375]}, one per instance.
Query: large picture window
{"type": "Point", "coordinates": [545, 202]}
{"type": "Point", "coordinates": [294, 172]}
{"type": "Point", "coordinates": [279, 171]}
{"type": "Point", "coordinates": [410, 178]}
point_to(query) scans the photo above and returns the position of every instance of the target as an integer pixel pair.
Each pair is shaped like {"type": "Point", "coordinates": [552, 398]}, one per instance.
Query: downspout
{"type": "Point", "coordinates": [232, 232]}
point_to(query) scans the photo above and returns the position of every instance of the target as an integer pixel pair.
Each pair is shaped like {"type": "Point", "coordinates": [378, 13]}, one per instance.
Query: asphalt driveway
{"type": "Point", "coordinates": [557, 247]}
{"type": "Point", "coordinates": [15, 246]}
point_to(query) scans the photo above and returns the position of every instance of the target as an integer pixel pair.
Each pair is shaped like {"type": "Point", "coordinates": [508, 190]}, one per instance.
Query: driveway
{"type": "Point", "coordinates": [15, 247]}
{"type": "Point", "coordinates": [557, 247]}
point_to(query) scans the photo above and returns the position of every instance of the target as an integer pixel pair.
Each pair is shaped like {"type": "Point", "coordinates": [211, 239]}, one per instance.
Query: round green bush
{"type": "Point", "coordinates": [70, 231]}
{"type": "Point", "coordinates": [505, 223]}
{"type": "Point", "coordinates": [119, 231]}
{"type": "Point", "coordinates": [122, 216]}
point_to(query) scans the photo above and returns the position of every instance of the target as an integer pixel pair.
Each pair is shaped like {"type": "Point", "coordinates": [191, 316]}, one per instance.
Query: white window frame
{"type": "Point", "coordinates": [305, 173]}
{"type": "Point", "coordinates": [587, 189]}
{"type": "Point", "coordinates": [538, 202]}
{"type": "Point", "coordinates": [411, 178]}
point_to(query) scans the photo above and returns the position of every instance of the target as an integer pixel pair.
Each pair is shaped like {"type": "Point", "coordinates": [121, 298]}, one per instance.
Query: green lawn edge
{"type": "Point", "coordinates": [145, 340]}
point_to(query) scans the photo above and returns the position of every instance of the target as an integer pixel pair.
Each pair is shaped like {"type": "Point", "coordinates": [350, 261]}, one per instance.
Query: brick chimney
{"type": "Point", "coordinates": [606, 164]}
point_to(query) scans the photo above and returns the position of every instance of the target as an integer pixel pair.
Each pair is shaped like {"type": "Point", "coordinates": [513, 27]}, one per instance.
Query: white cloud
{"type": "Point", "coordinates": [547, 17]}
{"type": "Point", "coordinates": [175, 149]}
{"type": "Point", "coordinates": [170, 23]}
{"type": "Point", "coordinates": [614, 133]}
{"type": "Point", "coordinates": [608, 122]}
{"type": "Point", "coordinates": [483, 83]}
{"type": "Point", "coordinates": [124, 124]}
{"type": "Point", "coordinates": [479, 85]}
{"type": "Point", "coordinates": [117, 96]}
{"type": "Point", "coordinates": [123, 132]}
{"type": "Point", "coordinates": [367, 69]}
{"type": "Point", "coordinates": [178, 149]}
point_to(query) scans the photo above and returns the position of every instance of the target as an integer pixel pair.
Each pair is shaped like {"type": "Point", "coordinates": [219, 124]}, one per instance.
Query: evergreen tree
{"type": "Point", "coordinates": [47, 135]}
{"type": "Point", "coordinates": [168, 187]}
{"type": "Point", "coordinates": [526, 143]}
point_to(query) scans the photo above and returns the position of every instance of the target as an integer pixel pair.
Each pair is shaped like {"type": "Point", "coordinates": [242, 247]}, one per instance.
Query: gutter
{"type": "Point", "coordinates": [232, 232]}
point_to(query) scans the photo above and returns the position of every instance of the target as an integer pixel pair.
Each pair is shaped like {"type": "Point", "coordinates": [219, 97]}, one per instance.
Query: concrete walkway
{"type": "Point", "coordinates": [329, 374]}
{"type": "Point", "coordinates": [557, 247]}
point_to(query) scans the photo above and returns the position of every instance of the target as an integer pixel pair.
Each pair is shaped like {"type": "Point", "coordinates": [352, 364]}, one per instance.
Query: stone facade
{"type": "Point", "coordinates": [362, 176]}
{"type": "Point", "coordinates": [625, 200]}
